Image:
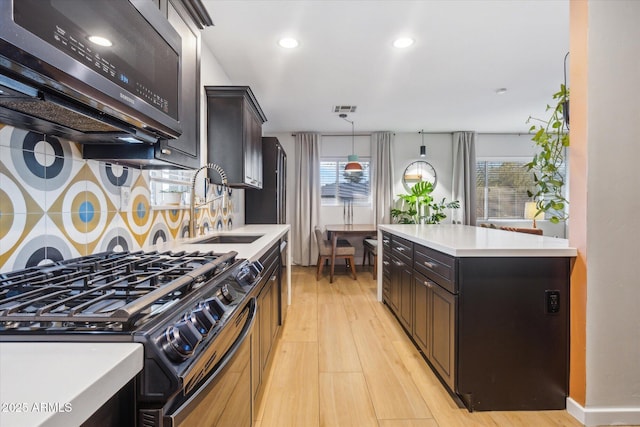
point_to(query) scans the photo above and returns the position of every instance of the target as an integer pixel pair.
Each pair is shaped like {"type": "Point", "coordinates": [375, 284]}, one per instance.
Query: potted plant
{"type": "Point", "coordinates": [172, 196]}
{"type": "Point", "coordinates": [418, 207]}
{"type": "Point", "coordinates": [552, 137]}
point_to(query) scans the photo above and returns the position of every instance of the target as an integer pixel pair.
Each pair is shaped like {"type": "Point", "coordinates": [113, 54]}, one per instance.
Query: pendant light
{"type": "Point", "coordinates": [353, 165]}
{"type": "Point", "coordinates": [423, 148]}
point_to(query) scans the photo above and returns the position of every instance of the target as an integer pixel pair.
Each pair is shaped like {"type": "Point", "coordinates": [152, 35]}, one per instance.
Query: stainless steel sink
{"type": "Point", "coordinates": [229, 238]}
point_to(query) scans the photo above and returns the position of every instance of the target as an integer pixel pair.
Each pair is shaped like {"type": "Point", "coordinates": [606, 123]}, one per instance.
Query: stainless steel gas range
{"type": "Point", "coordinates": [192, 312]}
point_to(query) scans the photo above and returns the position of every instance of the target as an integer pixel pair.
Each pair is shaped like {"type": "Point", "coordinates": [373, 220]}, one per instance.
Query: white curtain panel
{"type": "Point", "coordinates": [382, 178]}
{"type": "Point", "coordinates": [306, 198]}
{"type": "Point", "coordinates": [464, 177]}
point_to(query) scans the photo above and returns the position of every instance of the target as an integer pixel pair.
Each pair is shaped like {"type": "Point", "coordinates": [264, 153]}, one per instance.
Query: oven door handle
{"type": "Point", "coordinates": [252, 306]}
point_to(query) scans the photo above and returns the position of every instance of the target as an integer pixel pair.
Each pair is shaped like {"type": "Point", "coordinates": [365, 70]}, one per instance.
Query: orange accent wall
{"type": "Point", "coordinates": [578, 166]}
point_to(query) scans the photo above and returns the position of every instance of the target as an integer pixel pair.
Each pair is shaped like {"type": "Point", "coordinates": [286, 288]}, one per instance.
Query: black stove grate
{"type": "Point", "coordinates": [107, 288]}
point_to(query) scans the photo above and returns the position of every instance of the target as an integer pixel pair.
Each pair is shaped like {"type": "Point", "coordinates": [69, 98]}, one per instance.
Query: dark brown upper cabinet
{"type": "Point", "coordinates": [234, 135]}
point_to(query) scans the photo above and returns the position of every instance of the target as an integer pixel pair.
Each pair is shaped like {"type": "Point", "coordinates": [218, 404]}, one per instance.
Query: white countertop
{"type": "Point", "coordinates": [469, 241]}
{"type": "Point", "coordinates": [251, 251]}
{"type": "Point", "coordinates": [62, 384]}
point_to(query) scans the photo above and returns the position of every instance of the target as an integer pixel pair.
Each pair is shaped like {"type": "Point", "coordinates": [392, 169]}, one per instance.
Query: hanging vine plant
{"type": "Point", "coordinates": [552, 138]}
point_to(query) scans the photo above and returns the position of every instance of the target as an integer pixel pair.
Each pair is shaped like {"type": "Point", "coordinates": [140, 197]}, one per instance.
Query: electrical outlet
{"type": "Point", "coordinates": [125, 196]}
{"type": "Point", "coordinates": [552, 299]}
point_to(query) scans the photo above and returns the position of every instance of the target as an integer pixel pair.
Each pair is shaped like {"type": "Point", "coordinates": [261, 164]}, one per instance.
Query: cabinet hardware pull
{"type": "Point", "coordinates": [398, 263]}
{"type": "Point", "coordinates": [165, 151]}
{"type": "Point", "coordinates": [429, 264]}
{"type": "Point", "coordinates": [385, 262]}
{"type": "Point", "coordinates": [398, 248]}
{"type": "Point", "coordinates": [385, 241]}
{"type": "Point", "coordinates": [427, 283]}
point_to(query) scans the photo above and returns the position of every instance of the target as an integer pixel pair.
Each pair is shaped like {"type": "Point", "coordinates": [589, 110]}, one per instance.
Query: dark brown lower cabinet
{"type": "Point", "coordinates": [422, 313]}
{"type": "Point", "coordinates": [434, 326]}
{"type": "Point", "coordinates": [394, 285]}
{"type": "Point", "coordinates": [406, 301]}
{"type": "Point", "coordinates": [268, 321]}
{"type": "Point", "coordinates": [443, 330]}
{"type": "Point", "coordinates": [494, 329]}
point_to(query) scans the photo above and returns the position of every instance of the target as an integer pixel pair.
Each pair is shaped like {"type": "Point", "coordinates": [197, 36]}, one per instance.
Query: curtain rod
{"type": "Point", "coordinates": [424, 133]}
{"type": "Point", "coordinates": [341, 134]}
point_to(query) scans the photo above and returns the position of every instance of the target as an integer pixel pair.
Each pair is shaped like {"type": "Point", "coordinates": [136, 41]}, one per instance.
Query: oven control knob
{"type": "Point", "coordinates": [227, 294]}
{"type": "Point", "coordinates": [202, 320]}
{"type": "Point", "coordinates": [255, 269]}
{"type": "Point", "coordinates": [180, 340]}
{"type": "Point", "coordinates": [213, 307]}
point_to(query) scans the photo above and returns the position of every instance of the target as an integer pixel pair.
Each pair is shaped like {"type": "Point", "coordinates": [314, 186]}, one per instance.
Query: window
{"type": "Point", "coordinates": [501, 188]}
{"type": "Point", "coordinates": [336, 186]}
{"type": "Point", "coordinates": [163, 182]}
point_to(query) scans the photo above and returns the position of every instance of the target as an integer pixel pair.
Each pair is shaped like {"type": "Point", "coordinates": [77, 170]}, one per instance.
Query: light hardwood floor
{"type": "Point", "coordinates": [343, 360]}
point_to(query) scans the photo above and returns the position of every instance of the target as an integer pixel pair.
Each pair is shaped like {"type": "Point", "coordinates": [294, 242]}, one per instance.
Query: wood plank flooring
{"type": "Point", "coordinates": [343, 360]}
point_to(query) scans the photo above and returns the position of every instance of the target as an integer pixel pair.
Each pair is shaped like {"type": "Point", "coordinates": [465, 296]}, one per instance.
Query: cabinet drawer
{"type": "Point", "coordinates": [402, 248]}
{"type": "Point", "coordinates": [386, 265]}
{"type": "Point", "coordinates": [435, 265]}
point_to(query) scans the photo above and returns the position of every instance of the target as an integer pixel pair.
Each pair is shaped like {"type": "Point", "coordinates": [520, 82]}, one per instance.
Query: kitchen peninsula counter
{"type": "Point", "coordinates": [487, 308]}
{"type": "Point", "coordinates": [269, 234]}
{"type": "Point", "coordinates": [62, 384]}
{"type": "Point", "coordinates": [468, 241]}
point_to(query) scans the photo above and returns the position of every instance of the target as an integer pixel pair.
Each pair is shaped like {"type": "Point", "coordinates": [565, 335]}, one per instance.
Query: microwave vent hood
{"type": "Point", "coordinates": [53, 81]}
{"type": "Point", "coordinates": [27, 107]}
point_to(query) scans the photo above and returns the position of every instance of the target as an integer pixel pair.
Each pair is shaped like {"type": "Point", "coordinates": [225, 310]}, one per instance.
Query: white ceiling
{"type": "Point", "coordinates": [464, 50]}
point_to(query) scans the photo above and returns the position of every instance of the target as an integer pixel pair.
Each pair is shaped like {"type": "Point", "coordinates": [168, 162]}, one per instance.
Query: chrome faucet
{"type": "Point", "coordinates": [192, 204]}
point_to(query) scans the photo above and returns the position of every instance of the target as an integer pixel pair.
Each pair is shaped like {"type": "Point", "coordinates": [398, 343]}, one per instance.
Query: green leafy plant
{"type": "Point", "coordinates": [418, 207]}
{"type": "Point", "coordinates": [551, 137]}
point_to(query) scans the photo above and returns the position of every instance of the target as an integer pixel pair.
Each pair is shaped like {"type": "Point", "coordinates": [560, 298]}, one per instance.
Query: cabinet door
{"type": "Point", "coordinates": [406, 297]}
{"type": "Point", "coordinates": [422, 313]}
{"type": "Point", "coordinates": [394, 285]}
{"type": "Point", "coordinates": [443, 312]}
{"type": "Point", "coordinates": [185, 150]}
{"type": "Point", "coordinates": [275, 304]}
{"type": "Point", "coordinates": [256, 367]}
{"type": "Point", "coordinates": [256, 151]}
{"type": "Point", "coordinates": [252, 148]}
{"type": "Point", "coordinates": [265, 305]}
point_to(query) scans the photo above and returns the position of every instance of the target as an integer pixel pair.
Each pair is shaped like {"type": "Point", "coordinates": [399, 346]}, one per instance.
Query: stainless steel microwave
{"type": "Point", "coordinates": [92, 71]}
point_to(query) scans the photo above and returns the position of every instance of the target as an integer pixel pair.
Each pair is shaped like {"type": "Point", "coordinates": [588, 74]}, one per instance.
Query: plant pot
{"type": "Point", "coordinates": [171, 198]}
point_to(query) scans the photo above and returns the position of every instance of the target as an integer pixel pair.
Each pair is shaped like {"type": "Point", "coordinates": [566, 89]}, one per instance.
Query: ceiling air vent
{"type": "Point", "coordinates": [344, 109]}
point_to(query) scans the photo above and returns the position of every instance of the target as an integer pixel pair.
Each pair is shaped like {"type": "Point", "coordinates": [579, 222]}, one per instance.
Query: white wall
{"type": "Point", "coordinates": [613, 288]}
{"type": "Point", "coordinates": [406, 150]}
{"type": "Point", "coordinates": [439, 154]}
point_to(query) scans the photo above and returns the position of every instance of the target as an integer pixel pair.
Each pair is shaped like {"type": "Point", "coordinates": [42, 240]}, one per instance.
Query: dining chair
{"type": "Point", "coordinates": [370, 251]}
{"type": "Point", "coordinates": [344, 250]}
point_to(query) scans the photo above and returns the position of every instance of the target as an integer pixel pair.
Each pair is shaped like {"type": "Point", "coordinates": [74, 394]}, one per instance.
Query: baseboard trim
{"type": "Point", "coordinates": [603, 416]}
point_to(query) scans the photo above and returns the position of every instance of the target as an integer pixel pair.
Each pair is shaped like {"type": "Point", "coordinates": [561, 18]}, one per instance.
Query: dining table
{"type": "Point", "coordinates": [335, 231]}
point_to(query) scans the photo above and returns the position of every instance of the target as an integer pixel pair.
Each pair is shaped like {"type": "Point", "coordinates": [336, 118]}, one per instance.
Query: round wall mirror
{"type": "Point", "coordinates": [419, 171]}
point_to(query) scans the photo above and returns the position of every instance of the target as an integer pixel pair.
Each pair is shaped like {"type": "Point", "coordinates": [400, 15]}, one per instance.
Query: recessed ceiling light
{"type": "Point", "coordinates": [402, 42]}
{"type": "Point", "coordinates": [100, 41]}
{"type": "Point", "coordinates": [501, 91]}
{"type": "Point", "coordinates": [288, 43]}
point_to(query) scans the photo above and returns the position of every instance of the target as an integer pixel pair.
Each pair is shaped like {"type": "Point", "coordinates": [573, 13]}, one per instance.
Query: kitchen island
{"type": "Point", "coordinates": [488, 309]}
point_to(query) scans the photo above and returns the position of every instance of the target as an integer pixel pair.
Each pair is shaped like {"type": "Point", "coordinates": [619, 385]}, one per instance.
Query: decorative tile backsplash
{"type": "Point", "coordinates": [55, 205]}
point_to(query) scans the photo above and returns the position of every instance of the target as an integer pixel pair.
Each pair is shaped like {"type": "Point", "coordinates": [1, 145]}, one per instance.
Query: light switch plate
{"type": "Point", "coordinates": [125, 195]}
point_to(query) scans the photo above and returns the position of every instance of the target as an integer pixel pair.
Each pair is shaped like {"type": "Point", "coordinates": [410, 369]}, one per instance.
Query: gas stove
{"type": "Point", "coordinates": [186, 308]}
